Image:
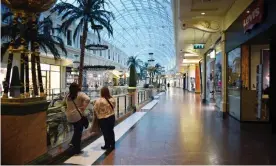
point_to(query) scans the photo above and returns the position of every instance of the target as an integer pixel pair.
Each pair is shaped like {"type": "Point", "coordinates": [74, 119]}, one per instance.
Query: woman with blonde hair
{"type": "Point", "coordinates": [104, 110]}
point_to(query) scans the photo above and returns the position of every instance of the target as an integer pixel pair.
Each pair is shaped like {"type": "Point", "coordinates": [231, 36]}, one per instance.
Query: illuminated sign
{"type": "Point", "coordinates": [199, 46]}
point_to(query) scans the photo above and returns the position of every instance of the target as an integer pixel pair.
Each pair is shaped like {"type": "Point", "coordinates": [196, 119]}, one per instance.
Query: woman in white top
{"type": "Point", "coordinates": [104, 110]}
{"type": "Point", "coordinates": [76, 102]}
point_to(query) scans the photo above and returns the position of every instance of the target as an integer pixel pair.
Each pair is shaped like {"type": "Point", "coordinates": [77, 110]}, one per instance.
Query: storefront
{"type": "Point", "coordinates": [213, 80]}
{"type": "Point", "coordinates": [52, 71]}
{"type": "Point", "coordinates": [248, 47]}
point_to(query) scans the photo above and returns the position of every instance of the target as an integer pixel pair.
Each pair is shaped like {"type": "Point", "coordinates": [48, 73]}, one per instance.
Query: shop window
{"type": "Point", "coordinates": [45, 67]}
{"type": "Point", "coordinates": [55, 68]}
{"type": "Point", "coordinates": [108, 54]}
{"type": "Point", "coordinates": [234, 82]}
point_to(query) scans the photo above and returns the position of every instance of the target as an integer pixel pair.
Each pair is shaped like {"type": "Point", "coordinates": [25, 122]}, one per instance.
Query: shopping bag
{"type": "Point", "coordinates": [95, 128]}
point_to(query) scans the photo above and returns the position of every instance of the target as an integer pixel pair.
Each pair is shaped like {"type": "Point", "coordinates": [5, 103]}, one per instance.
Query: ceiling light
{"type": "Point", "coordinates": [190, 54]}
{"type": "Point", "coordinates": [202, 13]}
{"type": "Point", "coordinates": [247, 11]}
{"type": "Point", "coordinates": [190, 61]}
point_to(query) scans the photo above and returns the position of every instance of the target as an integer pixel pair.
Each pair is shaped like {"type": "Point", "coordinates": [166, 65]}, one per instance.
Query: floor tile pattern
{"type": "Point", "coordinates": [181, 130]}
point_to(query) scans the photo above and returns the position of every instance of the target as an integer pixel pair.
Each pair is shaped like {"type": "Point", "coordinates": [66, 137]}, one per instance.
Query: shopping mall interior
{"type": "Point", "coordinates": [192, 81]}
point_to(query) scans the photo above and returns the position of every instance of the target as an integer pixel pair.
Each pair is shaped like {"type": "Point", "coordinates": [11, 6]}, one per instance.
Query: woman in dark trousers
{"type": "Point", "coordinates": [76, 102]}
{"type": "Point", "coordinates": [104, 110]}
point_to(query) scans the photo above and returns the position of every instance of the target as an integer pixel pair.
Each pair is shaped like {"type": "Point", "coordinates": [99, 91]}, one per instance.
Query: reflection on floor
{"type": "Point", "coordinates": [181, 130]}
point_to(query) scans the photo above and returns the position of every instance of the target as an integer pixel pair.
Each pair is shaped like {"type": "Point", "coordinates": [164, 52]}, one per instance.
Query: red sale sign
{"type": "Point", "coordinates": [253, 15]}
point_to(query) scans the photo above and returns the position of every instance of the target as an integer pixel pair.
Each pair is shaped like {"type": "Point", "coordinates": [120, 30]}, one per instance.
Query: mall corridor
{"type": "Point", "coordinates": [181, 130]}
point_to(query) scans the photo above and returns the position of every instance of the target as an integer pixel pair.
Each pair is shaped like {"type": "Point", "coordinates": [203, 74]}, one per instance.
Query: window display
{"type": "Point", "coordinates": [234, 82]}
{"type": "Point", "coordinates": [218, 79]}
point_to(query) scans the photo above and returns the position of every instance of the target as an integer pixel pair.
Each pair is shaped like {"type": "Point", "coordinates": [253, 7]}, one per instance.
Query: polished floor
{"type": "Point", "coordinates": [181, 130]}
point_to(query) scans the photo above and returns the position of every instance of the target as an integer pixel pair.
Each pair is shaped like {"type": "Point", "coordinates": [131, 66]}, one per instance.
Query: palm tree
{"type": "Point", "coordinates": [143, 70]}
{"type": "Point", "coordinates": [45, 36]}
{"type": "Point", "coordinates": [88, 13]}
{"type": "Point", "coordinates": [41, 36]}
{"type": "Point", "coordinates": [135, 61]}
{"type": "Point", "coordinates": [157, 70]}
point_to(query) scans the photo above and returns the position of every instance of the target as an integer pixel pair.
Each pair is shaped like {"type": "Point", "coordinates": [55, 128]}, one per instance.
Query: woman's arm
{"type": "Point", "coordinates": [85, 100]}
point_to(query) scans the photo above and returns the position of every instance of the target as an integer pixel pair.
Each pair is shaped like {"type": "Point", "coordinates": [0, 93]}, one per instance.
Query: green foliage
{"type": "Point", "coordinates": [87, 13]}
{"type": "Point", "coordinates": [132, 76]}
{"type": "Point", "coordinates": [133, 60]}
{"type": "Point", "coordinates": [44, 36]}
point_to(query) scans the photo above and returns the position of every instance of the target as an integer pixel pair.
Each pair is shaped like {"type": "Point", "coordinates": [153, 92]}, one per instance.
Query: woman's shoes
{"type": "Point", "coordinates": [104, 147]}
{"type": "Point", "coordinates": [108, 147]}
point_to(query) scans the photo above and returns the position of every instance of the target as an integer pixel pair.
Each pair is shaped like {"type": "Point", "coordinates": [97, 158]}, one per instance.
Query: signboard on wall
{"type": "Point", "coordinates": [253, 15]}
{"type": "Point", "coordinates": [199, 46]}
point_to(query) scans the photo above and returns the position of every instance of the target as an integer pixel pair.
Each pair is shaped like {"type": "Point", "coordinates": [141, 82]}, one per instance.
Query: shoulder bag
{"type": "Point", "coordinates": [109, 103]}
{"type": "Point", "coordinates": [84, 120]}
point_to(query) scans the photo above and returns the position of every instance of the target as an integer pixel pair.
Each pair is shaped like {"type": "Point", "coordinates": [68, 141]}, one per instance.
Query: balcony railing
{"type": "Point", "coordinates": [60, 131]}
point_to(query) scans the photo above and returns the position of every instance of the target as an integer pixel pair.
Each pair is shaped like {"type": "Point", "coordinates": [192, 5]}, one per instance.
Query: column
{"type": "Point", "coordinates": [197, 79]}
{"type": "Point", "coordinates": [223, 107]}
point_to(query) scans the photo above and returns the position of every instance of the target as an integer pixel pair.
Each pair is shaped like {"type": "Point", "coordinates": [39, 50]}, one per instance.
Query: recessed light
{"type": "Point", "coordinates": [247, 11]}
{"type": "Point", "coordinates": [202, 13]}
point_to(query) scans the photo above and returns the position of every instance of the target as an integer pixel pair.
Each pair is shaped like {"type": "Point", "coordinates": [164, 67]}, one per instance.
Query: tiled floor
{"type": "Point", "coordinates": [180, 130]}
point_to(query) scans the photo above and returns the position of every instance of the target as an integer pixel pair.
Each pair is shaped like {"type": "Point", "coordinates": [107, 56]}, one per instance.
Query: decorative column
{"type": "Point", "coordinates": [23, 119]}
{"type": "Point", "coordinates": [197, 79]}
{"type": "Point", "coordinates": [224, 77]}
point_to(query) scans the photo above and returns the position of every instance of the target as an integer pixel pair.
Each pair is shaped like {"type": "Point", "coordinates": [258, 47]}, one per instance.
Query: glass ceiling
{"type": "Point", "coordinates": [141, 27]}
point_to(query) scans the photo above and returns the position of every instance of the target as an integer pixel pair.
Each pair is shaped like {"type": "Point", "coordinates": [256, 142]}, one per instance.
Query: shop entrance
{"type": "Point", "coordinates": [249, 79]}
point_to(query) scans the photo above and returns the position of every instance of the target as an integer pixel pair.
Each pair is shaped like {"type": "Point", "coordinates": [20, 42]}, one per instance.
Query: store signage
{"type": "Point", "coordinates": [253, 15]}
{"type": "Point", "coordinates": [199, 46]}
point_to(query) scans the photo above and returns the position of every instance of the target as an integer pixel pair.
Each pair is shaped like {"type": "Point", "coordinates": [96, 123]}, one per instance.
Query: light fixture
{"type": "Point", "coordinates": [247, 11]}
{"type": "Point", "coordinates": [190, 54]}
{"type": "Point", "coordinates": [190, 61]}
{"type": "Point", "coordinates": [202, 13]}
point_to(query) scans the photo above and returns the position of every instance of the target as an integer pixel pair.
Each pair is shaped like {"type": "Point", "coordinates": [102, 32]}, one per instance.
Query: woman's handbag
{"type": "Point", "coordinates": [95, 124]}
{"type": "Point", "coordinates": [84, 120]}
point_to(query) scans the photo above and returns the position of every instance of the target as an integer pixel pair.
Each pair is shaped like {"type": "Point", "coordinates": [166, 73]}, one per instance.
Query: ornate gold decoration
{"type": "Point", "coordinates": [29, 6]}
{"type": "Point", "coordinates": [209, 26]}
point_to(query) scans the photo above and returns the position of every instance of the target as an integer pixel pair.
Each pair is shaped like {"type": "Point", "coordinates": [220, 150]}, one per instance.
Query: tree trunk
{"type": "Point", "coordinates": [37, 60]}
{"type": "Point", "coordinates": [84, 37]}
{"type": "Point", "coordinates": [34, 80]}
{"type": "Point", "coordinates": [22, 77]}
{"type": "Point", "coordinates": [27, 75]}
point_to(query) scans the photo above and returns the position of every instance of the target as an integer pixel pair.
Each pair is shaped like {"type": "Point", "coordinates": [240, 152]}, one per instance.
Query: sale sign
{"type": "Point", "coordinates": [253, 15]}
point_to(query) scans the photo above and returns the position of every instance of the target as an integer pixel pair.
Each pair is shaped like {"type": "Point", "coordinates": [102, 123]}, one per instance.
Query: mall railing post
{"type": "Point", "coordinates": [138, 97]}
{"type": "Point", "coordinates": [144, 95]}
{"type": "Point", "coordinates": [125, 104]}
{"type": "Point", "coordinates": [118, 99]}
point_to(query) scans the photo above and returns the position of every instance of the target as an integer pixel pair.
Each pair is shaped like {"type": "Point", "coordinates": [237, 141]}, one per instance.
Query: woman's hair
{"type": "Point", "coordinates": [105, 93]}
{"type": "Point", "coordinates": [73, 91]}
